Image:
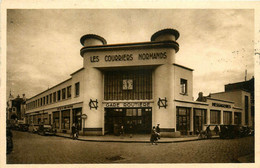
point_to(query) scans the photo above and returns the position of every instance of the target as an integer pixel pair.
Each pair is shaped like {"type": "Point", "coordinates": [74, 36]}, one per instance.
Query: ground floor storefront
{"type": "Point", "coordinates": [187, 118]}
{"type": "Point", "coordinates": [131, 120]}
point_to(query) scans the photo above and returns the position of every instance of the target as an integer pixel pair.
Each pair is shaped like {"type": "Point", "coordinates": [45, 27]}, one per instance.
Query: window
{"type": "Point", "coordinates": [59, 95]}
{"type": "Point", "coordinates": [184, 86]}
{"type": "Point", "coordinates": [69, 92]}
{"type": "Point", "coordinates": [214, 117]}
{"type": "Point", "coordinates": [77, 89]}
{"type": "Point", "coordinates": [128, 85]}
{"type": "Point", "coordinates": [50, 98]}
{"type": "Point", "coordinates": [54, 97]}
{"type": "Point", "coordinates": [43, 100]}
{"type": "Point", "coordinates": [47, 99]}
{"type": "Point", "coordinates": [227, 117]}
{"type": "Point", "coordinates": [63, 93]}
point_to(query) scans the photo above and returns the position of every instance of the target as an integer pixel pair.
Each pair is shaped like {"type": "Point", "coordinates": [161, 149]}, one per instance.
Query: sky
{"type": "Point", "coordinates": [43, 46]}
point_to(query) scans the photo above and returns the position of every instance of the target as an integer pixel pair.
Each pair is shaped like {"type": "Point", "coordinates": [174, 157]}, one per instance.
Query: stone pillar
{"type": "Point", "coordinates": [60, 119]}
{"type": "Point", "coordinates": [208, 116]}
{"type": "Point", "coordinates": [233, 118]}
{"type": "Point", "coordinates": [192, 120]}
{"type": "Point", "coordinates": [221, 117]}
{"type": "Point", "coordinates": [71, 119]}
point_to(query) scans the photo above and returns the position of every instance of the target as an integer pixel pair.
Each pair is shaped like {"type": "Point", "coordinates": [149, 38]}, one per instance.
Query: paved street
{"type": "Point", "coordinates": [32, 148]}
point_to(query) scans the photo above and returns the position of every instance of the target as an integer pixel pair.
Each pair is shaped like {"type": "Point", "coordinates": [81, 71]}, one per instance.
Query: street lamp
{"type": "Point", "coordinates": [84, 117]}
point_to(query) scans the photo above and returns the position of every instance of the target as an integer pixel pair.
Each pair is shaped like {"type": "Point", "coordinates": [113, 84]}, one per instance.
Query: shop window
{"type": "Point", "coordinates": [59, 95]}
{"type": "Point", "coordinates": [77, 89]}
{"type": "Point", "coordinates": [69, 91]}
{"type": "Point", "coordinates": [237, 118]}
{"type": "Point", "coordinates": [227, 117]}
{"type": "Point", "coordinates": [199, 119]}
{"type": "Point", "coordinates": [65, 122]}
{"type": "Point", "coordinates": [184, 86]}
{"type": "Point", "coordinates": [139, 112]}
{"type": "Point", "coordinates": [183, 120]}
{"type": "Point", "coordinates": [56, 119]}
{"type": "Point", "coordinates": [134, 112]}
{"type": "Point", "coordinates": [45, 119]}
{"type": "Point", "coordinates": [129, 112]}
{"type": "Point", "coordinates": [214, 117]}
{"type": "Point", "coordinates": [63, 93]}
{"type": "Point", "coordinates": [77, 113]}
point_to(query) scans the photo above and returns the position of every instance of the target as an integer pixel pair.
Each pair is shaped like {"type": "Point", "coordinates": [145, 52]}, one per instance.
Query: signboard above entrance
{"type": "Point", "coordinates": [128, 104]}
{"type": "Point", "coordinates": [128, 57]}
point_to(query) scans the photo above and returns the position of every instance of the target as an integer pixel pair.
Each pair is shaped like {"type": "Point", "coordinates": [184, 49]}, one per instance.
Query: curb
{"type": "Point", "coordinates": [132, 141]}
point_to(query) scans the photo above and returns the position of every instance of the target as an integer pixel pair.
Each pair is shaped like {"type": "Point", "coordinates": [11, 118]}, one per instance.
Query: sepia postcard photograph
{"type": "Point", "coordinates": [129, 85]}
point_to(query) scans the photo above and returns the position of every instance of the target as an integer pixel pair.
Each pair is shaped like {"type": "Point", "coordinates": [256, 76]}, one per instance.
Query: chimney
{"type": "Point", "coordinates": [200, 96]}
{"type": "Point", "coordinates": [24, 98]}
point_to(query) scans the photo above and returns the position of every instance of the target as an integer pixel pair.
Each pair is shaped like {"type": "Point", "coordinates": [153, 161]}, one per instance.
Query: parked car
{"type": "Point", "coordinates": [23, 127]}
{"type": "Point", "coordinates": [9, 140]}
{"type": "Point", "coordinates": [45, 129]}
{"type": "Point", "coordinates": [33, 128]}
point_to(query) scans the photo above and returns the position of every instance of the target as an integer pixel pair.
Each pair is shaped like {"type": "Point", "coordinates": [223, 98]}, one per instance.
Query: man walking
{"type": "Point", "coordinates": [158, 130]}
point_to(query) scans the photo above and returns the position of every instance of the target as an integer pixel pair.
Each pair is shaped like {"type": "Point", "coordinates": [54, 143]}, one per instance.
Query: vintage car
{"type": "Point", "coordinates": [45, 129]}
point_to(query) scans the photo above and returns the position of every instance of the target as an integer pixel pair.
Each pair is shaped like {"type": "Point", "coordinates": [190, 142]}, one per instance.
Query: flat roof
{"type": "Point", "coordinates": [77, 71]}
{"type": "Point", "coordinates": [220, 100]}
{"type": "Point", "coordinates": [183, 67]}
{"type": "Point", "coordinates": [49, 89]}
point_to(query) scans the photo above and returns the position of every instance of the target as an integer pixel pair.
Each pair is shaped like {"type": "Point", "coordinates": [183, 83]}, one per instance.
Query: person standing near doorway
{"type": "Point", "coordinates": [131, 129]}
{"type": "Point", "coordinates": [158, 130]}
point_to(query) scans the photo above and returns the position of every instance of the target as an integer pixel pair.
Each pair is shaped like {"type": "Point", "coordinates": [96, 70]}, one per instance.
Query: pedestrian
{"type": "Point", "coordinates": [131, 129]}
{"type": "Point", "coordinates": [121, 130]}
{"type": "Point", "coordinates": [216, 129]}
{"type": "Point", "coordinates": [158, 130]}
{"type": "Point", "coordinates": [154, 136]}
{"type": "Point", "coordinates": [73, 130]}
{"type": "Point", "coordinates": [208, 132]}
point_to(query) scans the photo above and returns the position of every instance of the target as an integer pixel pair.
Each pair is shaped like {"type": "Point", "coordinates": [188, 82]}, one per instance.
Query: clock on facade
{"type": "Point", "coordinates": [127, 84]}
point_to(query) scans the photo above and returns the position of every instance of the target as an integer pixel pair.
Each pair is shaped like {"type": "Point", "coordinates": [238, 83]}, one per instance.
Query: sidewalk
{"type": "Point", "coordinates": [134, 139]}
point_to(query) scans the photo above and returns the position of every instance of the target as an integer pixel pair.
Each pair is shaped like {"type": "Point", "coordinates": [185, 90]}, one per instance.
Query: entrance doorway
{"type": "Point", "coordinates": [199, 119]}
{"type": "Point", "coordinates": [183, 120]}
{"type": "Point", "coordinates": [134, 120]}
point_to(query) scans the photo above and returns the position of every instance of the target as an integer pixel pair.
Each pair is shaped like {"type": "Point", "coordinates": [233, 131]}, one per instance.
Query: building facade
{"type": "Point", "coordinates": [16, 107]}
{"type": "Point", "coordinates": [137, 85]}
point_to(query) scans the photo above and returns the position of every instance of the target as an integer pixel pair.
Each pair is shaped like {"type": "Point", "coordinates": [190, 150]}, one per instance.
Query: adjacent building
{"type": "Point", "coordinates": [137, 85]}
{"type": "Point", "coordinates": [15, 108]}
